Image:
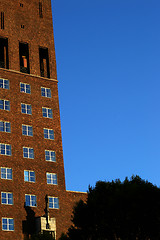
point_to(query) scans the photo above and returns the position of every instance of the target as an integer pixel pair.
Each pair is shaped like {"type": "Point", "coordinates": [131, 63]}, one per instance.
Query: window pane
{"type": "Point", "coordinates": [8, 127]}
{"type": "Point", "coordinates": [2, 126]}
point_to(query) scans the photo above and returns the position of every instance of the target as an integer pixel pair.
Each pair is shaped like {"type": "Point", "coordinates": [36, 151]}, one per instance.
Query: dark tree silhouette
{"type": "Point", "coordinates": [116, 210]}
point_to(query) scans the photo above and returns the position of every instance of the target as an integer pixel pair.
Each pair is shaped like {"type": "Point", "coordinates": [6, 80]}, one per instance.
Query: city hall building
{"type": "Point", "coordinates": [31, 156]}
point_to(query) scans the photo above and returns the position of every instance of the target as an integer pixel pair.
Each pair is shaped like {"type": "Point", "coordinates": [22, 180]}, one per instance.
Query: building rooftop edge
{"type": "Point", "coordinates": [75, 191]}
{"type": "Point", "coordinates": [26, 74]}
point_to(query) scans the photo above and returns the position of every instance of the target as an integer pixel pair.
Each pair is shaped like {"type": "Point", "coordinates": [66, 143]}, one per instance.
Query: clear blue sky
{"type": "Point", "coordinates": [108, 62]}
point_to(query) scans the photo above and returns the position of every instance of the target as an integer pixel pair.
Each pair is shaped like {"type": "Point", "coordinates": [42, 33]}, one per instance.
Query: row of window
{"type": "Point", "coordinates": [26, 108]}
{"type": "Point", "coordinates": [27, 130]}
{"type": "Point", "coordinates": [30, 200]}
{"type": "Point", "coordinates": [24, 57]}
{"type": "Point", "coordinates": [5, 149]}
{"type": "Point", "coordinates": [26, 88]}
{"type": "Point", "coordinates": [29, 176]}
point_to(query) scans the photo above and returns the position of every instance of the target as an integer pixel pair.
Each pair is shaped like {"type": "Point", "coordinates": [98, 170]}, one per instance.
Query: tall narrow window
{"type": "Point", "coordinates": [24, 57]}
{"type": "Point", "coordinates": [44, 62]}
{"type": "Point", "coordinates": [2, 20]}
{"type": "Point", "coordinates": [4, 62]}
{"type": "Point", "coordinates": [40, 9]}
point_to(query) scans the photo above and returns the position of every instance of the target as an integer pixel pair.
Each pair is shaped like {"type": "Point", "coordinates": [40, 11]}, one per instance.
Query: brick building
{"type": "Point", "coordinates": [31, 155]}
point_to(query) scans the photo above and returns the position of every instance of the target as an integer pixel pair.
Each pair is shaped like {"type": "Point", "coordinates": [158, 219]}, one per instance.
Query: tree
{"type": "Point", "coordinates": [118, 211]}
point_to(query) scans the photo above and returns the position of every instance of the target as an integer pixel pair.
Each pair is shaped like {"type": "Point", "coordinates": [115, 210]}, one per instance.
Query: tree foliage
{"type": "Point", "coordinates": [118, 211]}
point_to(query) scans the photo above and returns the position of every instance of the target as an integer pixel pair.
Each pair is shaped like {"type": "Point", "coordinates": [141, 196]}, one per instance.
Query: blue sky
{"type": "Point", "coordinates": [108, 63]}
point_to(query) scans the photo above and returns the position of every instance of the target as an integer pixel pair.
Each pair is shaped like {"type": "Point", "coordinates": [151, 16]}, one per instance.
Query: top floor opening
{"type": "Point", "coordinates": [4, 62]}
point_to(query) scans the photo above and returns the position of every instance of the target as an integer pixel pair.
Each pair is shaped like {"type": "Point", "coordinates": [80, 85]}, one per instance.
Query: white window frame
{"type": "Point", "coordinates": [49, 134]}
{"type": "Point", "coordinates": [5, 127]}
{"type": "Point", "coordinates": [30, 200]}
{"type": "Point", "coordinates": [25, 88]}
{"type": "Point", "coordinates": [27, 130]}
{"type": "Point", "coordinates": [26, 110]}
{"type": "Point", "coordinates": [45, 92]}
{"type": "Point", "coordinates": [7, 198]}
{"type": "Point", "coordinates": [53, 203]}
{"type": "Point", "coordinates": [6, 173]}
{"type": "Point", "coordinates": [4, 84]}
{"type": "Point", "coordinates": [5, 149]}
{"type": "Point", "coordinates": [53, 178]}
{"type": "Point", "coordinates": [29, 176]}
{"type": "Point", "coordinates": [4, 105]}
{"type": "Point", "coordinates": [8, 228]}
{"type": "Point", "coordinates": [50, 151]}
{"type": "Point", "coordinates": [47, 112]}
{"type": "Point", "coordinates": [28, 152]}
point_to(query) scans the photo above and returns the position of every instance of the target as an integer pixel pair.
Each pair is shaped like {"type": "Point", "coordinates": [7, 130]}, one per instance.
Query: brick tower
{"type": "Point", "coordinates": [31, 156]}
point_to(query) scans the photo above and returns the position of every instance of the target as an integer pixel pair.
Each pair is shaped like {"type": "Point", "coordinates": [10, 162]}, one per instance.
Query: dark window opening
{"type": "Point", "coordinates": [2, 20]}
{"type": "Point", "coordinates": [44, 62]}
{"type": "Point", "coordinates": [24, 57]}
{"type": "Point", "coordinates": [21, 4]}
{"type": "Point", "coordinates": [22, 26]}
{"type": "Point", "coordinates": [40, 9]}
{"type": "Point", "coordinates": [4, 62]}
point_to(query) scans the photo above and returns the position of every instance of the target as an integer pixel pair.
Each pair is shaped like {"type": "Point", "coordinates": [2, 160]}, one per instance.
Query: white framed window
{"type": "Point", "coordinates": [5, 126]}
{"type": "Point", "coordinates": [29, 176]}
{"type": "Point", "coordinates": [7, 224]}
{"type": "Point", "coordinates": [50, 156]}
{"type": "Point", "coordinates": [47, 112]}
{"type": "Point", "coordinates": [45, 92]}
{"type": "Point", "coordinates": [4, 105]}
{"type": "Point", "coordinates": [5, 149]}
{"type": "Point", "coordinates": [53, 202]}
{"type": "Point", "coordinates": [4, 83]}
{"type": "Point", "coordinates": [7, 198]}
{"type": "Point", "coordinates": [48, 133]}
{"type": "Point", "coordinates": [25, 88]}
{"type": "Point", "coordinates": [26, 108]}
{"type": "Point", "coordinates": [27, 130]}
{"type": "Point", "coordinates": [6, 173]}
{"type": "Point", "coordinates": [28, 152]}
{"type": "Point", "coordinates": [51, 178]}
{"type": "Point", "coordinates": [30, 200]}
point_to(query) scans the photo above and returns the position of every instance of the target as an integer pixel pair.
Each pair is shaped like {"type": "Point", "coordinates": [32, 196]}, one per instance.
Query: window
{"type": "Point", "coordinates": [5, 126]}
{"type": "Point", "coordinates": [6, 173]}
{"type": "Point", "coordinates": [30, 200]}
{"type": "Point", "coordinates": [7, 224]}
{"type": "Point", "coordinates": [44, 62]}
{"type": "Point", "coordinates": [4, 105]}
{"type": "Point", "coordinates": [4, 83]}
{"type": "Point", "coordinates": [48, 134]}
{"type": "Point", "coordinates": [26, 108]}
{"type": "Point", "coordinates": [4, 61]}
{"type": "Point", "coordinates": [25, 88]}
{"type": "Point", "coordinates": [29, 176]}
{"type": "Point", "coordinates": [28, 152]}
{"type": "Point", "coordinates": [24, 56]}
{"type": "Point", "coordinates": [27, 130]}
{"type": "Point", "coordinates": [47, 112]}
{"type": "Point", "coordinates": [51, 178]}
{"type": "Point", "coordinates": [45, 92]}
{"type": "Point", "coordinates": [2, 20]}
{"type": "Point", "coordinates": [5, 149]}
{"type": "Point", "coordinates": [7, 198]}
{"type": "Point", "coordinates": [50, 156]}
{"type": "Point", "coordinates": [40, 9]}
{"type": "Point", "coordinates": [53, 202]}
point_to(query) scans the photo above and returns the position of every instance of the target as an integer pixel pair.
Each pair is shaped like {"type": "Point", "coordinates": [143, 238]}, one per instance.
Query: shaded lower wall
{"type": "Point", "coordinates": [70, 198]}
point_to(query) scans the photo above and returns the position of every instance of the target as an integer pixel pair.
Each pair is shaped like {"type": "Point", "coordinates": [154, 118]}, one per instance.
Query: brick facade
{"type": "Point", "coordinates": [23, 23]}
